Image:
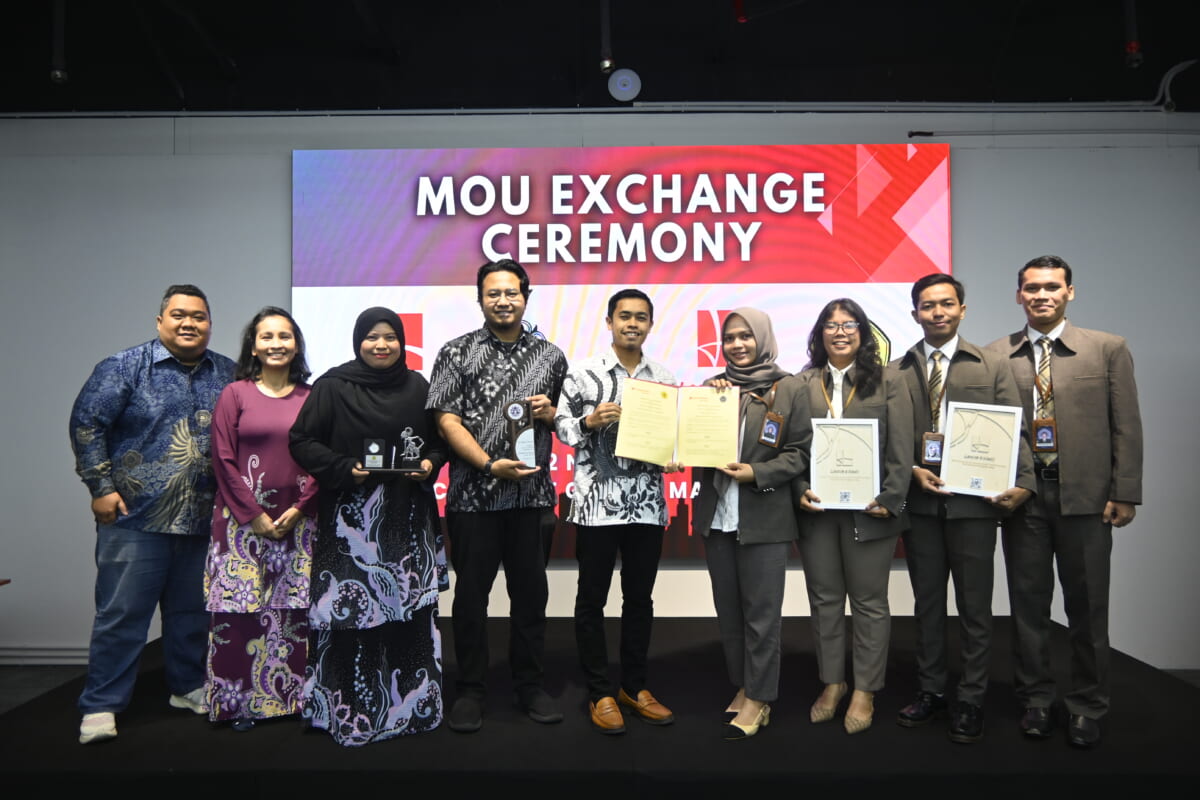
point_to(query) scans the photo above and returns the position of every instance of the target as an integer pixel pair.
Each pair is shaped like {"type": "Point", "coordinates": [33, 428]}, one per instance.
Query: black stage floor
{"type": "Point", "coordinates": [1150, 739]}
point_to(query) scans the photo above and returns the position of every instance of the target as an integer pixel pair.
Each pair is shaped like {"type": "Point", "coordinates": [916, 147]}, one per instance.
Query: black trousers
{"type": "Point", "coordinates": [596, 548]}
{"type": "Point", "coordinates": [1035, 539]}
{"type": "Point", "coordinates": [480, 542]}
{"type": "Point", "coordinates": [938, 549]}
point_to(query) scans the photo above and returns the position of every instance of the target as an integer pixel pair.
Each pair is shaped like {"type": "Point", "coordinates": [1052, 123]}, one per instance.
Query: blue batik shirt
{"type": "Point", "coordinates": [142, 426]}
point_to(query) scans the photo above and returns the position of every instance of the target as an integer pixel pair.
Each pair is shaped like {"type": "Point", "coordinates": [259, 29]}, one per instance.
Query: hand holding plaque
{"type": "Point", "coordinates": [519, 414]}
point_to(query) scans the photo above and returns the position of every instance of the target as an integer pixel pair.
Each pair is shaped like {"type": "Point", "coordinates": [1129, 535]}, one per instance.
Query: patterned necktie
{"type": "Point", "coordinates": [935, 388]}
{"type": "Point", "coordinates": [1045, 406]}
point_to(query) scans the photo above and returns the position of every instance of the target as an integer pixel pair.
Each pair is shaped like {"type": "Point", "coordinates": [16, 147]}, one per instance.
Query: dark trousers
{"type": "Point", "coordinates": [480, 542]}
{"type": "Point", "coordinates": [963, 549]}
{"type": "Point", "coordinates": [596, 548]}
{"type": "Point", "coordinates": [1034, 539]}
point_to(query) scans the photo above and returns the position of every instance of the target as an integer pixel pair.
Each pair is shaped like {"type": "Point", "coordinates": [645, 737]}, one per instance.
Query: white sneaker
{"type": "Point", "coordinates": [195, 701]}
{"type": "Point", "coordinates": [97, 727]}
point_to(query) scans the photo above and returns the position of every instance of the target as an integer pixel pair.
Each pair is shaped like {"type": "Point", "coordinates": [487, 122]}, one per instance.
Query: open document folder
{"type": "Point", "coordinates": [694, 425]}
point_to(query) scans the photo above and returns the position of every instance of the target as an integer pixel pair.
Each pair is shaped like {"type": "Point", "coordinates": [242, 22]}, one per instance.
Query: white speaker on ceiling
{"type": "Point", "coordinates": [624, 84]}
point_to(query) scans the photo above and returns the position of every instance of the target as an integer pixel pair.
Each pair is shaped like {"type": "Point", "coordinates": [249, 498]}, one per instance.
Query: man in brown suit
{"type": "Point", "coordinates": [952, 535]}
{"type": "Point", "coordinates": [1082, 400]}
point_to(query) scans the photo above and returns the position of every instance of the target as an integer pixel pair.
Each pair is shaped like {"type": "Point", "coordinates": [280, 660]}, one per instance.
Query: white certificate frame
{"type": "Point", "coordinates": [828, 478]}
{"type": "Point", "coordinates": [981, 449]}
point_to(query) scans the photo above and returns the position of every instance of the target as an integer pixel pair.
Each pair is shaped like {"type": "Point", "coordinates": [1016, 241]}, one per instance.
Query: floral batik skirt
{"type": "Point", "coordinates": [368, 685]}
{"type": "Point", "coordinates": [256, 663]}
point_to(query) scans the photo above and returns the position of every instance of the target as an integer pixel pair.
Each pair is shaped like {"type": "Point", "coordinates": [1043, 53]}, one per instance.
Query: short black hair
{"type": "Point", "coordinates": [625, 294]}
{"type": "Point", "coordinates": [934, 279]}
{"type": "Point", "coordinates": [1044, 262]}
{"type": "Point", "coordinates": [182, 288]}
{"type": "Point", "coordinates": [503, 265]}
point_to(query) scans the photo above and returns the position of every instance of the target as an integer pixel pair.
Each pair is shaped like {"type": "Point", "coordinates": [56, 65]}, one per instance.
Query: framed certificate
{"type": "Point", "coordinates": [982, 442]}
{"type": "Point", "coordinates": [845, 462]}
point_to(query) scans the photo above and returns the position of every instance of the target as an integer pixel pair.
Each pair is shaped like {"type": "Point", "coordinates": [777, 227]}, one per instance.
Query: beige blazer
{"type": "Point", "coordinates": [975, 376]}
{"type": "Point", "coordinates": [891, 405]}
{"type": "Point", "coordinates": [1096, 414]}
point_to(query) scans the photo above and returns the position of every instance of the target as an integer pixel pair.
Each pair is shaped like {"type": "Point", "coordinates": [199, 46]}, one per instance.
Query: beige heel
{"type": "Point", "coordinates": [822, 712]}
{"type": "Point", "coordinates": [856, 724]}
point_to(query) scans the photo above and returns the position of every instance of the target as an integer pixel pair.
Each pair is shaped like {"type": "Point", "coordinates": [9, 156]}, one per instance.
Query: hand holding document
{"type": "Point", "coordinates": [982, 444]}
{"type": "Point", "coordinates": [693, 425]}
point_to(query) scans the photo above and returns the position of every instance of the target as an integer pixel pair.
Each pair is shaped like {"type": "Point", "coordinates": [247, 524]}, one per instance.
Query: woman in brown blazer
{"type": "Point", "coordinates": [849, 552]}
{"type": "Point", "coordinates": [746, 512]}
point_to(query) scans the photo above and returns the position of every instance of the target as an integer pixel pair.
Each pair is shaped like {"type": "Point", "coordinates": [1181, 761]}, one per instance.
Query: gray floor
{"type": "Point", "coordinates": [20, 684]}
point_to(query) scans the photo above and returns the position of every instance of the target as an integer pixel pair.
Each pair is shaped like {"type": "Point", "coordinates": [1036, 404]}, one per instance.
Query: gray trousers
{"type": "Point", "coordinates": [747, 586]}
{"type": "Point", "coordinates": [964, 549]}
{"type": "Point", "coordinates": [837, 566]}
{"type": "Point", "coordinates": [1034, 539]}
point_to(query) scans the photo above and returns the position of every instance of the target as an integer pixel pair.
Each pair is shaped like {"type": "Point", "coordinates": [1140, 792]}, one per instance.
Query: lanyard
{"type": "Point", "coordinates": [829, 401]}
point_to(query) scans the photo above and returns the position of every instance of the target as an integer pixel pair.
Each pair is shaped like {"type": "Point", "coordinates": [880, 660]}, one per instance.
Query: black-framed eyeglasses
{"type": "Point", "coordinates": [848, 327]}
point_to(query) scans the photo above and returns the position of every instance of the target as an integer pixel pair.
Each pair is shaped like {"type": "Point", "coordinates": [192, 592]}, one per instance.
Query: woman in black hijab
{"type": "Point", "coordinates": [374, 655]}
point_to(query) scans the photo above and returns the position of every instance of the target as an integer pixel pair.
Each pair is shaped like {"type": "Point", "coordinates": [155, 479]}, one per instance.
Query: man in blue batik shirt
{"type": "Point", "coordinates": [140, 429]}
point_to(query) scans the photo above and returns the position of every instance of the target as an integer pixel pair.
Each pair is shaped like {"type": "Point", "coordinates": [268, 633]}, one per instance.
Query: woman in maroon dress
{"type": "Point", "coordinates": [257, 576]}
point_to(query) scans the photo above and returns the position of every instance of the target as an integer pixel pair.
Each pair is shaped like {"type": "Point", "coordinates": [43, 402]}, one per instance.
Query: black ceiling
{"type": "Point", "coordinates": [345, 55]}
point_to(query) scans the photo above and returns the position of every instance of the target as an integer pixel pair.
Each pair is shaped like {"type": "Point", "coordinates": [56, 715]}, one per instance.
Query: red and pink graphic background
{"type": "Point", "coordinates": [360, 239]}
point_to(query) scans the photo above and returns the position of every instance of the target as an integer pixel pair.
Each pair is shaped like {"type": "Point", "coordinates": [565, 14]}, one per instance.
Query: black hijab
{"type": "Point", "coordinates": [363, 374]}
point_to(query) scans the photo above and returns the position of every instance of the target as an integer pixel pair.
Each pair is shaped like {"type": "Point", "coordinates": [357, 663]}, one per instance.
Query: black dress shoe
{"type": "Point", "coordinates": [1036, 722]}
{"type": "Point", "coordinates": [926, 708]}
{"type": "Point", "coordinates": [539, 706]}
{"type": "Point", "coordinates": [466, 716]}
{"type": "Point", "coordinates": [966, 724]}
{"type": "Point", "coordinates": [1083, 731]}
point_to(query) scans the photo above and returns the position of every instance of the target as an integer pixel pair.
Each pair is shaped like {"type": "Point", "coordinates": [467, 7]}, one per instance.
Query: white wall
{"type": "Point", "coordinates": [97, 216]}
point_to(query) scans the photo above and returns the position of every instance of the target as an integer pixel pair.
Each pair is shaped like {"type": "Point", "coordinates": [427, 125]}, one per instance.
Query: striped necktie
{"type": "Point", "coordinates": [935, 388]}
{"type": "Point", "coordinates": [1045, 405]}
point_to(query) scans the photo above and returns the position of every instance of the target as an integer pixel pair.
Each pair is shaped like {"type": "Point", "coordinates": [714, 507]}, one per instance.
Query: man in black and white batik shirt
{"type": "Point", "coordinates": [619, 506]}
{"type": "Point", "coordinates": [495, 503]}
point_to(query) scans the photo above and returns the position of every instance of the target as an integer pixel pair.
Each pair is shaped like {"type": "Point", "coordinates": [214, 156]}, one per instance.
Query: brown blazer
{"type": "Point", "coordinates": [1096, 414]}
{"type": "Point", "coordinates": [891, 405]}
{"type": "Point", "coordinates": [975, 376]}
{"type": "Point", "coordinates": [766, 507]}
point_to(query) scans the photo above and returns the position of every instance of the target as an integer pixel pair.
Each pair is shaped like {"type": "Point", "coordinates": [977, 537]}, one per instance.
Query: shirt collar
{"type": "Point", "coordinates": [611, 362]}
{"type": "Point", "coordinates": [839, 375]}
{"type": "Point", "coordinates": [948, 349]}
{"type": "Point", "coordinates": [160, 353]}
{"type": "Point", "coordinates": [1033, 336]}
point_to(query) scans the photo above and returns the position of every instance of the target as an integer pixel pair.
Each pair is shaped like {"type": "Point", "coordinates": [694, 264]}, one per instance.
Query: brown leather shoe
{"type": "Point", "coordinates": [646, 707]}
{"type": "Point", "coordinates": [606, 716]}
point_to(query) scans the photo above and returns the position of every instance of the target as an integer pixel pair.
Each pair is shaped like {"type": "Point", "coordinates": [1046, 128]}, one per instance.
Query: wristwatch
{"type": "Point", "coordinates": [487, 467]}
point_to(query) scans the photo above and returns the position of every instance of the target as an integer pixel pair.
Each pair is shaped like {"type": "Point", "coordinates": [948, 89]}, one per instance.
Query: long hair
{"type": "Point", "coordinates": [249, 367]}
{"type": "Point", "coordinates": [868, 366]}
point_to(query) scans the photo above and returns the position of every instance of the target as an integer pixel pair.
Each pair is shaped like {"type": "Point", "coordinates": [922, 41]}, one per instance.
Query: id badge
{"type": "Point", "coordinates": [931, 448]}
{"type": "Point", "coordinates": [772, 427]}
{"type": "Point", "coordinates": [1045, 435]}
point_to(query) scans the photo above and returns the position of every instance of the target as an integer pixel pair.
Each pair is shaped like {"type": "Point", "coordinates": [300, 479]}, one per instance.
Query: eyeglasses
{"type": "Point", "coordinates": [848, 327]}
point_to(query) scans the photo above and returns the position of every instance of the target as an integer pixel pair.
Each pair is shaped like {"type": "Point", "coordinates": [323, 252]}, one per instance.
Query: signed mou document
{"type": "Point", "coordinates": [982, 442]}
{"type": "Point", "coordinates": [694, 425]}
{"type": "Point", "coordinates": [845, 462]}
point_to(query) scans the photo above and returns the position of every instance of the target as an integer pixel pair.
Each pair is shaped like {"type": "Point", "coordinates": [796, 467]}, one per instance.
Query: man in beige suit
{"type": "Point", "coordinates": [952, 535]}
{"type": "Point", "coordinates": [1077, 389]}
